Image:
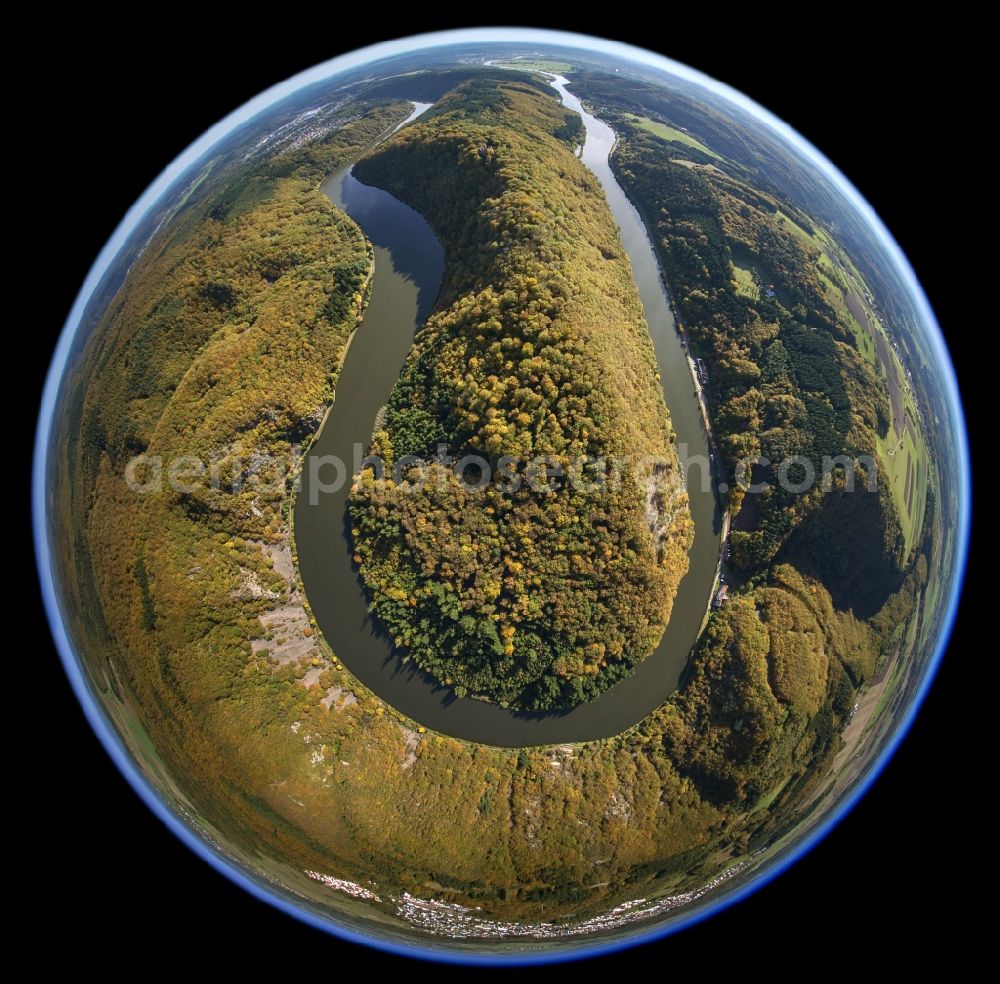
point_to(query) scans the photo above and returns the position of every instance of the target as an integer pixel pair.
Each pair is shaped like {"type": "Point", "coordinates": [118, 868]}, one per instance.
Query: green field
{"type": "Point", "coordinates": [745, 283]}
{"type": "Point", "coordinates": [903, 454]}
{"type": "Point", "coordinates": [834, 285]}
{"type": "Point", "coordinates": [770, 796]}
{"type": "Point", "coordinates": [810, 239]}
{"type": "Point", "coordinates": [743, 278]}
{"type": "Point", "coordinates": [932, 593]}
{"type": "Point", "coordinates": [670, 133]}
{"type": "Point", "coordinates": [905, 460]}
{"type": "Point", "coordinates": [890, 690]}
{"type": "Point", "coordinates": [536, 65]}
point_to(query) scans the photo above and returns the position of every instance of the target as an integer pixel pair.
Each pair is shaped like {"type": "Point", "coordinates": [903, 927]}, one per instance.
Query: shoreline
{"type": "Point", "coordinates": [340, 602]}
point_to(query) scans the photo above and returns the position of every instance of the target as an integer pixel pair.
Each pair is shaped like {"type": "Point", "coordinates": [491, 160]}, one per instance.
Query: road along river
{"type": "Point", "coordinates": [408, 267]}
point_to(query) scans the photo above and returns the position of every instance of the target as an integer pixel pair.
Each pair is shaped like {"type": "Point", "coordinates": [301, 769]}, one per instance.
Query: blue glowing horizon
{"type": "Point", "coordinates": [175, 172]}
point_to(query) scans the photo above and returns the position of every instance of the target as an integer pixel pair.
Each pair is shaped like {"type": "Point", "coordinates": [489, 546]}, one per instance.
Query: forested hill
{"type": "Point", "coordinates": [744, 145]}
{"type": "Point", "coordinates": [538, 347]}
{"type": "Point", "coordinates": [225, 341]}
{"type": "Point", "coordinates": [761, 302]}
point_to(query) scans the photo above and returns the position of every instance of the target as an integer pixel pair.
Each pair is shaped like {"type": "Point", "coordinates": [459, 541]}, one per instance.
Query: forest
{"type": "Point", "coordinates": [227, 336]}
{"type": "Point", "coordinates": [534, 599]}
{"type": "Point", "coordinates": [786, 380]}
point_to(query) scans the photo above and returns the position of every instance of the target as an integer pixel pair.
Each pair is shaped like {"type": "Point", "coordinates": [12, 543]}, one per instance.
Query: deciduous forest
{"type": "Point", "coordinates": [536, 598]}
{"type": "Point", "coordinates": [226, 338]}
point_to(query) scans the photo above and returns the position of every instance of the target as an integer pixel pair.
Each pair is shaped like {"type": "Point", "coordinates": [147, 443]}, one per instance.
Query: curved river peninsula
{"type": "Point", "coordinates": [409, 264]}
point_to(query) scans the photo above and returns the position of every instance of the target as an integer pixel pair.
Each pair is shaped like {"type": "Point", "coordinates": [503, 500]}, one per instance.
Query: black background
{"type": "Point", "coordinates": [121, 111]}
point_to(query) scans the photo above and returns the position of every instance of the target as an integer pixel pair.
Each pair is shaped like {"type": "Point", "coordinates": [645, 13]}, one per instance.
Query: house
{"type": "Point", "coordinates": [721, 596]}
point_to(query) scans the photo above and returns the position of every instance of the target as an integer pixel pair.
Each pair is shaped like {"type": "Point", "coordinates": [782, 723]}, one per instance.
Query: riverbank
{"type": "Point", "coordinates": [403, 293]}
{"type": "Point", "coordinates": [719, 485]}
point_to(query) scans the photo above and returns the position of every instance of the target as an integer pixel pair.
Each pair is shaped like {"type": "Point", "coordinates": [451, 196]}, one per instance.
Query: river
{"type": "Point", "coordinates": [409, 263]}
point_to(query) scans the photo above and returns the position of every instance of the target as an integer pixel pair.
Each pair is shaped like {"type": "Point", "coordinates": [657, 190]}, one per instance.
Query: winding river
{"type": "Point", "coordinates": [409, 263]}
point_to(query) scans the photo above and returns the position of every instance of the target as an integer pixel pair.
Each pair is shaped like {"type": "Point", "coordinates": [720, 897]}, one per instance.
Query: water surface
{"type": "Point", "coordinates": [409, 263]}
